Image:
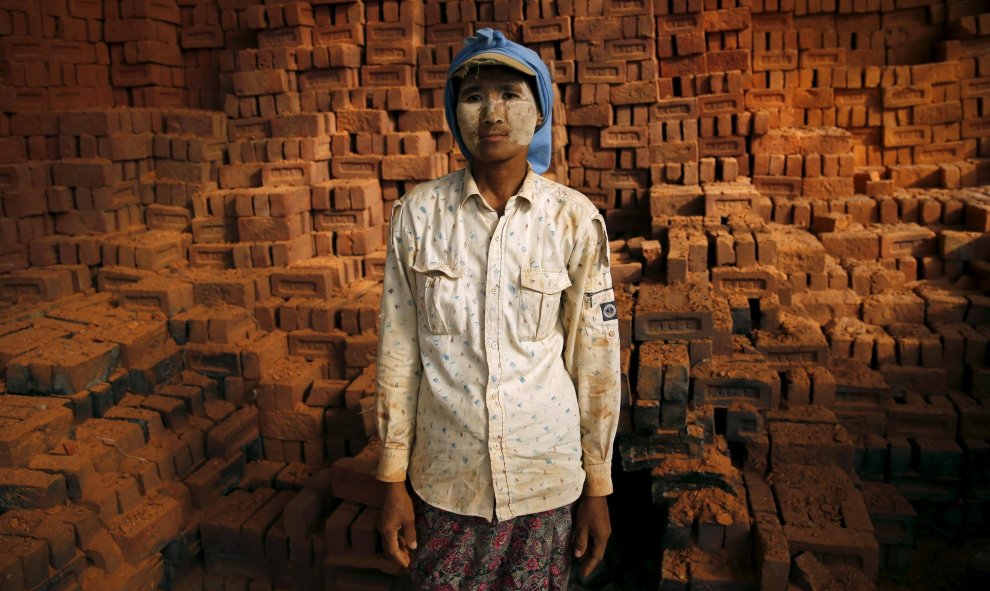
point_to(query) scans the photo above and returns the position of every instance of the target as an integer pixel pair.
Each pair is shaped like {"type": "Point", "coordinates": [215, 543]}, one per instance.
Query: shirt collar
{"type": "Point", "coordinates": [527, 191]}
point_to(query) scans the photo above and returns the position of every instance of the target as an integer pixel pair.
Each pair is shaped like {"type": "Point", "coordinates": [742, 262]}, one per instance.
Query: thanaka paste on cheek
{"type": "Point", "coordinates": [522, 117]}
{"type": "Point", "coordinates": [469, 121]}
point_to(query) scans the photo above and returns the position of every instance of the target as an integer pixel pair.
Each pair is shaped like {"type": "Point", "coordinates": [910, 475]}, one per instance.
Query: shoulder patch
{"type": "Point", "coordinates": [609, 312]}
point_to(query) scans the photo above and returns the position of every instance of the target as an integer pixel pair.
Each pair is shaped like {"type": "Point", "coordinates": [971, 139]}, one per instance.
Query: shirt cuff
{"type": "Point", "coordinates": [393, 464]}
{"type": "Point", "coordinates": [599, 480]}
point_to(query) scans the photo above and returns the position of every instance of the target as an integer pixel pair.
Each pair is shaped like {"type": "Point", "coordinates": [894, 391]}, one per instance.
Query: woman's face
{"type": "Point", "coordinates": [497, 114]}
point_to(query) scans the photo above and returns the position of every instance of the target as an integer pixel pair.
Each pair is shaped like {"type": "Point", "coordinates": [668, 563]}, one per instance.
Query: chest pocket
{"type": "Point", "coordinates": [441, 302]}
{"type": "Point", "coordinates": [539, 302]}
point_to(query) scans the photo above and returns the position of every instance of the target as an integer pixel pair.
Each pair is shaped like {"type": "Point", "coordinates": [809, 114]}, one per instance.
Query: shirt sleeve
{"type": "Point", "coordinates": [399, 365]}
{"type": "Point", "coordinates": [591, 353]}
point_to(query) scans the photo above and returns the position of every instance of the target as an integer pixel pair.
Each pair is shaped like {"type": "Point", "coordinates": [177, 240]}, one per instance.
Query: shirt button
{"type": "Point", "coordinates": [497, 237]}
{"type": "Point", "coordinates": [494, 290]}
{"type": "Point", "coordinates": [611, 333]}
{"type": "Point", "coordinates": [494, 345]}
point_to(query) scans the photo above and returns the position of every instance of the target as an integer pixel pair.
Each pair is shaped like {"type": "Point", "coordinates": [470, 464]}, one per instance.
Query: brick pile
{"type": "Point", "coordinates": [817, 164]}
{"type": "Point", "coordinates": [832, 354]}
{"type": "Point", "coordinates": [194, 201]}
{"type": "Point", "coordinates": [608, 71]}
{"type": "Point", "coordinates": [109, 187]}
{"type": "Point", "coordinates": [164, 421]}
{"type": "Point", "coordinates": [207, 29]}
{"type": "Point", "coordinates": [54, 56]}
{"type": "Point", "coordinates": [98, 54]}
{"type": "Point", "coordinates": [147, 66]}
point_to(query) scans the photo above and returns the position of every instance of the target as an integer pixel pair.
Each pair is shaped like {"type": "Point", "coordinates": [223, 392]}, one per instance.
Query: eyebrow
{"type": "Point", "coordinates": [508, 85]}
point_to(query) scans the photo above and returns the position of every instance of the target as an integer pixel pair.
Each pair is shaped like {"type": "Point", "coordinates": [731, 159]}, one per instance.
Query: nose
{"type": "Point", "coordinates": [493, 111]}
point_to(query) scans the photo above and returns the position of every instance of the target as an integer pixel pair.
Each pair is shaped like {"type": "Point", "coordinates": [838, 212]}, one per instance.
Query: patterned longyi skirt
{"type": "Point", "coordinates": [465, 553]}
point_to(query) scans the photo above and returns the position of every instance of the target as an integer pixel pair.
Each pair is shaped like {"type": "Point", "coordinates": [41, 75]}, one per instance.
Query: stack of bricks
{"type": "Point", "coordinates": [308, 71]}
{"type": "Point", "coordinates": [810, 503]}
{"type": "Point", "coordinates": [609, 79]}
{"type": "Point", "coordinates": [147, 66]}
{"type": "Point", "coordinates": [95, 443]}
{"type": "Point", "coordinates": [96, 179]}
{"type": "Point", "coordinates": [100, 415]}
{"type": "Point", "coordinates": [971, 52]}
{"type": "Point", "coordinates": [721, 521]}
{"type": "Point", "coordinates": [277, 146]}
{"type": "Point", "coordinates": [392, 131]}
{"type": "Point", "coordinates": [895, 331]}
{"type": "Point", "coordinates": [188, 150]}
{"type": "Point", "coordinates": [54, 57]}
{"type": "Point", "coordinates": [893, 521]}
{"type": "Point", "coordinates": [679, 329]}
{"type": "Point", "coordinates": [700, 126]}
{"type": "Point", "coordinates": [294, 431]}
{"type": "Point", "coordinates": [865, 70]}
{"type": "Point", "coordinates": [814, 163]}
{"type": "Point", "coordinates": [387, 134]}
{"type": "Point", "coordinates": [204, 35]}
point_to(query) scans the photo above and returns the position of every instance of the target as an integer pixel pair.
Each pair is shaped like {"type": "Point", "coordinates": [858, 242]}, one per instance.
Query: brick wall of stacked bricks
{"type": "Point", "coordinates": [193, 200]}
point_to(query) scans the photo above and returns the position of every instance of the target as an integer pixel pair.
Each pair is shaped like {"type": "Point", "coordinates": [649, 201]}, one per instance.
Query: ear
{"type": "Point", "coordinates": [539, 120]}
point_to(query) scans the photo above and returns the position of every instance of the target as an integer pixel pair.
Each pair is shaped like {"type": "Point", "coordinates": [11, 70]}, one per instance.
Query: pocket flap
{"type": "Point", "coordinates": [545, 281]}
{"type": "Point", "coordinates": [437, 268]}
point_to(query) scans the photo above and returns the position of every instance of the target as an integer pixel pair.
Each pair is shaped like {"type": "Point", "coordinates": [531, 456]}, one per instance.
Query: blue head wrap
{"type": "Point", "coordinates": [491, 41]}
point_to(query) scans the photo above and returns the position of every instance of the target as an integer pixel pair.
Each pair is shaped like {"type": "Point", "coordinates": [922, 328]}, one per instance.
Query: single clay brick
{"type": "Point", "coordinates": [149, 526]}
{"type": "Point", "coordinates": [27, 489]}
{"type": "Point", "coordinates": [235, 433]}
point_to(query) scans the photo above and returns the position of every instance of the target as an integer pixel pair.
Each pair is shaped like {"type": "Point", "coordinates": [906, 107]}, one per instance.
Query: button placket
{"type": "Point", "coordinates": [493, 323]}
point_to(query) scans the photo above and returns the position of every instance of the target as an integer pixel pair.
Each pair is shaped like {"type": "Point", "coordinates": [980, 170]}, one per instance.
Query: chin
{"type": "Point", "coordinates": [497, 154]}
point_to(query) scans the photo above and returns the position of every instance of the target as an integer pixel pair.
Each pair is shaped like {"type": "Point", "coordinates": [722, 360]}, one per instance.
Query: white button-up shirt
{"type": "Point", "coordinates": [498, 359]}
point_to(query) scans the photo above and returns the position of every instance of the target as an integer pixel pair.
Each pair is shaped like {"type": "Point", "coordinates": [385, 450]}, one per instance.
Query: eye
{"type": "Point", "coordinates": [509, 95]}
{"type": "Point", "coordinates": [472, 98]}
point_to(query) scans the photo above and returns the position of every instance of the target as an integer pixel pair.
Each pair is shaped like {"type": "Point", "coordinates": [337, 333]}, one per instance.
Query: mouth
{"type": "Point", "coordinates": [494, 137]}
{"type": "Point", "coordinates": [493, 130]}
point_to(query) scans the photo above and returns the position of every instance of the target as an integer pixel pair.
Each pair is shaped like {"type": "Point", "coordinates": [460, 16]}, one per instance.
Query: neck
{"type": "Point", "coordinates": [499, 181]}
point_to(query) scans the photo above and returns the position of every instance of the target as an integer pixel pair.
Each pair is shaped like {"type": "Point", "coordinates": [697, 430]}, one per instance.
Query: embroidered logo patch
{"type": "Point", "coordinates": [609, 312]}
